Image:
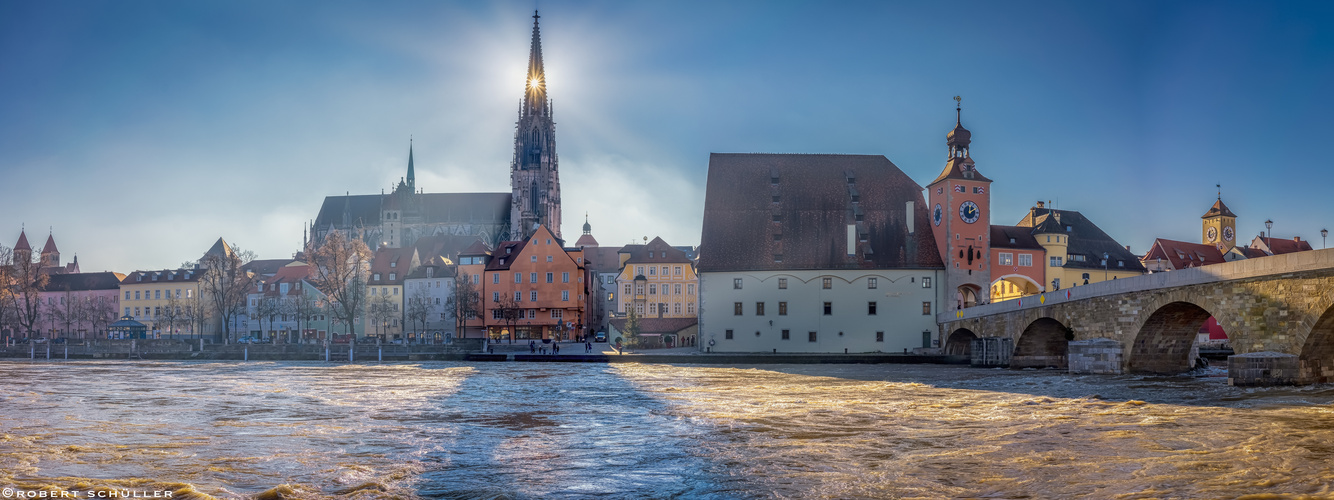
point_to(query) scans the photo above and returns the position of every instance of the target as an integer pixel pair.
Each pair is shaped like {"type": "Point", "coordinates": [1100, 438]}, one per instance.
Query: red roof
{"type": "Point", "coordinates": [23, 242]}
{"type": "Point", "coordinates": [1183, 254]}
{"type": "Point", "coordinates": [587, 240]}
{"type": "Point", "coordinates": [397, 261]}
{"type": "Point", "coordinates": [1276, 246]}
{"type": "Point", "coordinates": [50, 245]}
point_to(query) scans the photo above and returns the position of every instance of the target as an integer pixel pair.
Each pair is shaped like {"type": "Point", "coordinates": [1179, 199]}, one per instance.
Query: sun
{"type": "Point", "coordinates": [534, 82]}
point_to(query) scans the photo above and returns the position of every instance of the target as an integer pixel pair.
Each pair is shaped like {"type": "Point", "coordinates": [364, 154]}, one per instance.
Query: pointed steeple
{"type": "Point", "coordinates": [23, 242]}
{"type": "Point", "coordinates": [412, 176]}
{"type": "Point", "coordinates": [50, 246]}
{"type": "Point", "coordinates": [535, 89]}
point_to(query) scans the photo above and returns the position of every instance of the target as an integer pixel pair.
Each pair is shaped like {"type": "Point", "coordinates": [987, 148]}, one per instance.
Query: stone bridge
{"type": "Point", "coordinates": [1280, 303]}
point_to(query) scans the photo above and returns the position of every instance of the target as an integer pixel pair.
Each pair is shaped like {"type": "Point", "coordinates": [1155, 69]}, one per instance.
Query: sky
{"type": "Point", "coordinates": [140, 132]}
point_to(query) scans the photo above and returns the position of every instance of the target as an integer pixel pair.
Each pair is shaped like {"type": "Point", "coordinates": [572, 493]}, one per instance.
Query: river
{"type": "Point", "coordinates": [557, 430]}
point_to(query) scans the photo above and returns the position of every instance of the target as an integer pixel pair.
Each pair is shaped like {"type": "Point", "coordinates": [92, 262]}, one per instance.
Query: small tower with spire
{"type": "Point", "coordinates": [534, 174]}
{"type": "Point", "coordinates": [586, 240]}
{"type": "Point", "coordinates": [50, 254]}
{"type": "Point", "coordinates": [22, 250]}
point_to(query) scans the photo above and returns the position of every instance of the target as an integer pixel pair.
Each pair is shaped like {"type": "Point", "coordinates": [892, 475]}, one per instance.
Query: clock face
{"type": "Point", "coordinates": [1228, 234]}
{"type": "Point", "coordinates": [1212, 234]}
{"type": "Point", "coordinates": [937, 214]}
{"type": "Point", "coordinates": [969, 212]}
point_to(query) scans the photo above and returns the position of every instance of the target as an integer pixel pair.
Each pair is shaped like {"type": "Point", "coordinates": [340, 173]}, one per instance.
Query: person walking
{"type": "Point", "coordinates": [555, 349]}
{"type": "Point", "coordinates": [532, 347]}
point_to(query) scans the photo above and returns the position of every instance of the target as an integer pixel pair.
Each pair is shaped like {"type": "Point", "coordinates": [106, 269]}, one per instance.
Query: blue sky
{"type": "Point", "coordinates": [143, 131]}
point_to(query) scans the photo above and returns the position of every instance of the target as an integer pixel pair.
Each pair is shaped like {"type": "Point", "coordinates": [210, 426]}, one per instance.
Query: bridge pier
{"type": "Point", "coordinates": [1096, 356]}
{"type": "Point", "coordinates": [1262, 369]}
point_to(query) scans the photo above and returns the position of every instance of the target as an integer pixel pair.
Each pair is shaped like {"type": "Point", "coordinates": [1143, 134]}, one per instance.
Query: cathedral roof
{"type": "Point", "coordinates": [1218, 210]}
{"type": "Point", "coordinates": [745, 229]}
{"type": "Point", "coordinates": [436, 208]}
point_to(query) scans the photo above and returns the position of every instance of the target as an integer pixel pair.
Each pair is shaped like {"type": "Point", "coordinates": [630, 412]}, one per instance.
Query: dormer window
{"type": "Point", "coordinates": [393, 276]}
{"type": "Point", "coordinates": [1011, 241]}
{"type": "Point", "coordinates": [1068, 229]}
{"type": "Point", "coordinates": [377, 276]}
{"type": "Point", "coordinates": [393, 263]}
{"type": "Point", "coordinates": [508, 250]}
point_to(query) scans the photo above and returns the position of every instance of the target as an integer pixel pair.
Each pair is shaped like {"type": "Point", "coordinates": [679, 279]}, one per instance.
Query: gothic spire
{"type": "Point", "coordinates": [535, 89]}
{"type": "Point", "coordinates": [412, 176]}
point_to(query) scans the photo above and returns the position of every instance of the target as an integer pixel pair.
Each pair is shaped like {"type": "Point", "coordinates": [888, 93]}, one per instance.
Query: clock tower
{"type": "Point", "coordinates": [960, 204]}
{"type": "Point", "coordinates": [1219, 226]}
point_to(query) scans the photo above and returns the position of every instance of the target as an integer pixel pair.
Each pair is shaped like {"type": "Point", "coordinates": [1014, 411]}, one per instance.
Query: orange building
{"type": "Point", "coordinates": [534, 289]}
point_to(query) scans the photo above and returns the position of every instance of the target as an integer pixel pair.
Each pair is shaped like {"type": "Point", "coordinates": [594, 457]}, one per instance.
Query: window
{"type": "Point", "coordinates": [477, 277]}
{"type": "Point", "coordinates": [393, 276]}
{"type": "Point", "coordinates": [727, 335]}
{"type": "Point", "coordinates": [551, 277]}
{"type": "Point", "coordinates": [532, 277]}
{"type": "Point", "coordinates": [782, 283]}
{"type": "Point", "coordinates": [926, 282]}
{"type": "Point", "coordinates": [564, 295]}
{"type": "Point", "coordinates": [879, 336]}
{"type": "Point", "coordinates": [736, 283]}
{"type": "Point", "coordinates": [690, 308]}
{"type": "Point", "coordinates": [548, 258]}
{"type": "Point", "coordinates": [782, 308]}
{"type": "Point", "coordinates": [188, 293]}
{"type": "Point", "coordinates": [870, 308]}
{"type": "Point", "coordinates": [736, 308]}
{"type": "Point", "coordinates": [872, 283]}
{"type": "Point", "coordinates": [677, 308]}
{"type": "Point", "coordinates": [127, 310]}
{"type": "Point", "coordinates": [690, 289]}
{"type": "Point", "coordinates": [678, 270]}
{"type": "Point", "coordinates": [532, 296]}
{"type": "Point", "coordinates": [557, 313]}
{"type": "Point", "coordinates": [787, 334]}
{"type": "Point", "coordinates": [811, 336]}
{"type": "Point", "coordinates": [639, 289]}
{"type": "Point", "coordinates": [518, 277]}
{"type": "Point", "coordinates": [136, 297]}
{"type": "Point", "coordinates": [393, 263]}
{"type": "Point", "coordinates": [926, 309]}
{"type": "Point", "coordinates": [828, 308]}
{"type": "Point", "coordinates": [664, 271]}
{"type": "Point", "coordinates": [157, 294]}
{"type": "Point", "coordinates": [759, 309]}
{"type": "Point", "coordinates": [653, 289]}
{"type": "Point", "coordinates": [518, 296]}
{"type": "Point", "coordinates": [1056, 262]}
{"type": "Point", "coordinates": [1005, 259]}
{"type": "Point", "coordinates": [676, 289]}
{"type": "Point", "coordinates": [1074, 257]}
{"type": "Point", "coordinates": [652, 270]}
{"type": "Point", "coordinates": [627, 289]}
{"type": "Point", "coordinates": [532, 258]}
{"type": "Point", "coordinates": [564, 277]}
{"type": "Point", "coordinates": [827, 283]}
{"type": "Point", "coordinates": [495, 314]}
{"type": "Point", "coordinates": [532, 314]}
{"type": "Point", "coordinates": [127, 297]}
{"type": "Point", "coordinates": [376, 277]}
{"type": "Point", "coordinates": [639, 270]}
{"type": "Point", "coordinates": [1025, 260]}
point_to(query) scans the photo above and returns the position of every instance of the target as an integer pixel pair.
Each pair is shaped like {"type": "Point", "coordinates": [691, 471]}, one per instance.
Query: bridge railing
{"type": "Point", "coordinates": [1241, 269]}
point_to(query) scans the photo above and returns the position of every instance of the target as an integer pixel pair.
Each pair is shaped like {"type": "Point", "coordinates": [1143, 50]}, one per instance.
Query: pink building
{"type": "Point", "coordinates": [79, 306]}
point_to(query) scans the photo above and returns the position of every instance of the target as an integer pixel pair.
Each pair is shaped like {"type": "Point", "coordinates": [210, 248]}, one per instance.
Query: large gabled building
{"type": "Point", "coordinates": [816, 253]}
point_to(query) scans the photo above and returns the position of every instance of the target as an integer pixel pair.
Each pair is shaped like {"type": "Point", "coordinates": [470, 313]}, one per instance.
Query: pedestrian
{"type": "Point", "coordinates": [555, 349]}
{"type": "Point", "coordinates": [532, 346]}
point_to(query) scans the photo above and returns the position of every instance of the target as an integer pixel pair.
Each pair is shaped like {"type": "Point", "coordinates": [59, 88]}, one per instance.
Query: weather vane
{"type": "Point", "coordinates": [958, 101]}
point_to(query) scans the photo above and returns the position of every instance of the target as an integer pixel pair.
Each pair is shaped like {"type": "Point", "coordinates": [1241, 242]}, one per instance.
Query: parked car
{"type": "Point", "coordinates": [600, 337]}
{"type": "Point", "coordinates": [58, 341]}
{"type": "Point", "coordinates": [247, 340]}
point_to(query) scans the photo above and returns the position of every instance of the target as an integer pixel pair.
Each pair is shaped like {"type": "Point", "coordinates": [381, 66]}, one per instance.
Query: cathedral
{"type": "Point", "coordinates": [406, 215]}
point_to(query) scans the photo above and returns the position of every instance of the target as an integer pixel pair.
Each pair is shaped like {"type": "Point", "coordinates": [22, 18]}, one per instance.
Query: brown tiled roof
{"type": "Point", "coordinates": [442, 270]}
{"type": "Point", "coordinates": [1086, 239]}
{"type": "Point", "coordinates": [814, 208]}
{"type": "Point", "coordinates": [505, 254]}
{"type": "Point", "coordinates": [478, 247]}
{"type": "Point", "coordinates": [1014, 237]}
{"type": "Point", "coordinates": [84, 281]}
{"type": "Point", "coordinates": [50, 245]}
{"type": "Point", "coordinates": [1251, 253]}
{"type": "Point", "coordinates": [1183, 254]}
{"type": "Point", "coordinates": [656, 251]}
{"type": "Point", "coordinates": [23, 242]}
{"type": "Point", "coordinates": [657, 325]}
{"type": "Point", "coordinates": [586, 240]}
{"type": "Point", "coordinates": [266, 267]}
{"type": "Point", "coordinates": [960, 168]}
{"type": "Point", "coordinates": [449, 246]}
{"type": "Point", "coordinates": [163, 276]}
{"type": "Point", "coordinates": [1279, 246]}
{"type": "Point", "coordinates": [603, 259]}
{"type": "Point", "coordinates": [383, 262]}
{"type": "Point", "coordinates": [1219, 209]}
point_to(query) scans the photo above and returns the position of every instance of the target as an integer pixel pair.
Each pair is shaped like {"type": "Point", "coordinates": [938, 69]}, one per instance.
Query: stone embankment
{"type": "Point", "coordinates": [197, 350]}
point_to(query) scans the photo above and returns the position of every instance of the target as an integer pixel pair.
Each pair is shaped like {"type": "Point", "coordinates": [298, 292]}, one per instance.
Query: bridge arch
{"type": "Point", "coordinates": [1316, 359]}
{"type": "Point", "coordinates": [960, 342]}
{"type": "Point", "coordinates": [1043, 344]}
{"type": "Point", "coordinates": [1012, 286]}
{"type": "Point", "coordinates": [1163, 342]}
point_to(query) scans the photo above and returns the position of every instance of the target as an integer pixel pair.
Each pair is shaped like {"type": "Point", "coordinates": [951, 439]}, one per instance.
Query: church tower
{"type": "Point", "coordinates": [1219, 226]}
{"type": "Point", "coordinates": [960, 204]}
{"type": "Point", "coordinates": [534, 178]}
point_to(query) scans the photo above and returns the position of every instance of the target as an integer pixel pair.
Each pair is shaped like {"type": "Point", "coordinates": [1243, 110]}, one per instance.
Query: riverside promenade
{"type": "Point", "coordinates": [474, 350]}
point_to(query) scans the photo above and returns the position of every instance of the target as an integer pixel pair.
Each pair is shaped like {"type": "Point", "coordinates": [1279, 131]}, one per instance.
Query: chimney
{"type": "Point", "coordinates": [1128, 248]}
{"type": "Point", "coordinates": [1297, 239]}
{"type": "Point", "coordinates": [1040, 204]}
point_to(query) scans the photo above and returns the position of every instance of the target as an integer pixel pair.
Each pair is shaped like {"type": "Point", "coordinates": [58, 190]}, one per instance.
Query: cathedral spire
{"type": "Point", "coordinates": [535, 89]}
{"type": "Point", "coordinates": [412, 176]}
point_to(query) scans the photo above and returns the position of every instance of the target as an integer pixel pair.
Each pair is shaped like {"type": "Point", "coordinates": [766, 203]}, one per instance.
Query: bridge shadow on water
{"type": "Point", "coordinates": [1207, 388]}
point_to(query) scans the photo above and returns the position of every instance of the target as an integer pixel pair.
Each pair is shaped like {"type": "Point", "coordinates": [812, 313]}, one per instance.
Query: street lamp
{"type": "Point", "coordinates": [1104, 266]}
{"type": "Point", "coordinates": [1323, 234]}
{"type": "Point", "coordinates": [1269, 228]}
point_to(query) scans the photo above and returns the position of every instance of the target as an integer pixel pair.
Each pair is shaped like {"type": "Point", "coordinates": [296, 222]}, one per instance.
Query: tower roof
{"type": "Point", "coordinates": [50, 246]}
{"type": "Point", "coordinates": [412, 176]}
{"type": "Point", "coordinates": [1218, 210]}
{"type": "Point", "coordinates": [535, 89]}
{"type": "Point", "coordinates": [959, 136]}
{"type": "Point", "coordinates": [23, 242]}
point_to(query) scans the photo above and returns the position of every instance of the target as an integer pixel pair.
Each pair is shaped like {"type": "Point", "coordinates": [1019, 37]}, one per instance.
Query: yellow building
{"type": "Point", "coordinates": [657, 281]}
{"type": "Point", "coordinates": [145, 296]}
{"type": "Point", "coordinates": [1077, 251]}
{"type": "Point", "coordinates": [384, 291]}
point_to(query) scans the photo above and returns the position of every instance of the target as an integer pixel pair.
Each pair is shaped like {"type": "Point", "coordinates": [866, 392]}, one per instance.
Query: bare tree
{"type": "Point", "coordinates": [172, 315]}
{"type": "Point", "coordinates": [100, 314]}
{"type": "Point", "coordinates": [25, 298]}
{"type": "Point", "coordinates": [420, 309]}
{"type": "Point", "coordinates": [510, 311]}
{"type": "Point", "coordinates": [464, 304]}
{"type": "Point", "coordinates": [267, 308]}
{"type": "Point", "coordinates": [195, 314]}
{"type": "Point", "coordinates": [380, 310]}
{"type": "Point", "coordinates": [339, 268]}
{"type": "Point", "coordinates": [305, 309]}
{"type": "Point", "coordinates": [8, 287]}
{"type": "Point", "coordinates": [66, 313]}
{"type": "Point", "coordinates": [226, 284]}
